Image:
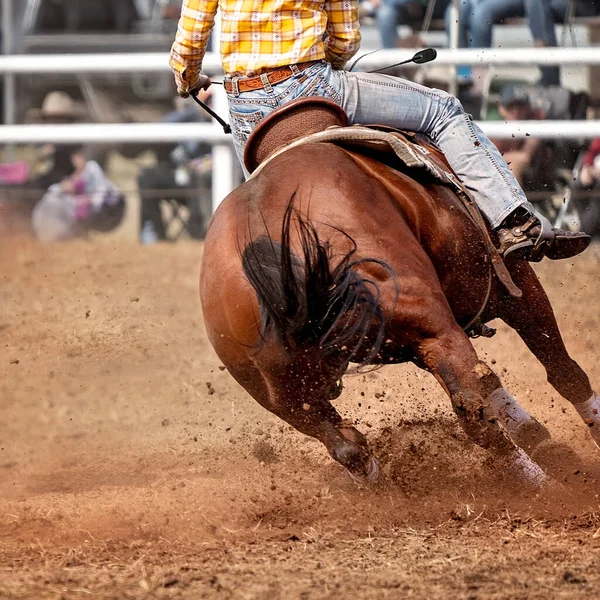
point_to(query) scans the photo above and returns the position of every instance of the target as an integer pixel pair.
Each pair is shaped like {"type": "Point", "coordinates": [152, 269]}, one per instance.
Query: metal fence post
{"type": "Point", "coordinates": [223, 155]}
{"type": "Point", "coordinates": [453, 44]}
{"type": "Point", "coordinates": [7, 48]}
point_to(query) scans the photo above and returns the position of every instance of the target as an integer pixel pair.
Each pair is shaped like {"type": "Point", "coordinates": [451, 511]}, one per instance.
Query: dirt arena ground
{"type": "Point", "coordinates": [132, 466]}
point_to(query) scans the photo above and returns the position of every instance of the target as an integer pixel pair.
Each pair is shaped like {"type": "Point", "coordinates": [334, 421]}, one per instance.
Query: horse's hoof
{"type": "Point", "coordinates": [558, 460]}
{"type": "Point", "coordinates": [529, 472]}
{"type": "Point", "coordinates": [370, 478]}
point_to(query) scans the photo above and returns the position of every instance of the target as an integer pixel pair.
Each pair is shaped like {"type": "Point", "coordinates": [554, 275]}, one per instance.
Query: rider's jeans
{"type": "Point", "coordinates": [386, 100]}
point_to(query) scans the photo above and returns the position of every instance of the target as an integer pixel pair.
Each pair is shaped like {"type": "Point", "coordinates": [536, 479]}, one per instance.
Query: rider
{"type": "Point", "coordinates": [274, 52]}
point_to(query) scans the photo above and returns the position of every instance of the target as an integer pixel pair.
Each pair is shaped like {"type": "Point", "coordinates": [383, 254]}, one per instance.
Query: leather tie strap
{"type": "Point", "coordinates": [274, 76]}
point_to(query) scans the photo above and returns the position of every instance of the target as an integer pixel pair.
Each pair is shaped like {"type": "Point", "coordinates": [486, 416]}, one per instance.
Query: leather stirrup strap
{"type": "Point", "coordinates": [497, 262]}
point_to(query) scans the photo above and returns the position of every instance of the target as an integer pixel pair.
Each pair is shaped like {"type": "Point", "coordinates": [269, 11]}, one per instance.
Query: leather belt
{"type": "Point", "coordinates": [277, 75]}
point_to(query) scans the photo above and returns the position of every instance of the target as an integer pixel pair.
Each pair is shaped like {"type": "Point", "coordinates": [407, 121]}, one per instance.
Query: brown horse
{"type": "Point", "coordinates": [327, 257]}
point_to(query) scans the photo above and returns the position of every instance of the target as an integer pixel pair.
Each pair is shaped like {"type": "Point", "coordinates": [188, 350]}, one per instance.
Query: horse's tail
{"type": "Point", "coordinates": [306, 301]}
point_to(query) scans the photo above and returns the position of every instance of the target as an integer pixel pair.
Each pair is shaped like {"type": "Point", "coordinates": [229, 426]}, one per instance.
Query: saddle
{"type": "Point", "coordinates": [310, 120]}
{"type": "Point", "coordinates": [290, 123]}
{"type": "Point", "coordinates": [314, 120]}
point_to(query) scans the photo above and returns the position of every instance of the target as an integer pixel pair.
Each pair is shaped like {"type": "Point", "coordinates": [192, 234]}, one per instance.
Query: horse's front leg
{"type": "Point", "coordinates": [470, 383]}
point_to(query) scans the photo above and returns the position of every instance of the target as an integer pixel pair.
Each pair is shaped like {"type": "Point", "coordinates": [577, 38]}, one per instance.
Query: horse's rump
{"type": "Point", "coordinates": [317, 298]}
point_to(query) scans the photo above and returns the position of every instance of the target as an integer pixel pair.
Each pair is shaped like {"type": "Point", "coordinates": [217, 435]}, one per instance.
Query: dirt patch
{"type": "Point", "coordinates": [133, 466]}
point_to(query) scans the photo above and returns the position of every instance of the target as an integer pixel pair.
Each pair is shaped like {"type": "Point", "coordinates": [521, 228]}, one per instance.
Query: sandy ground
{"type": "Point", "coordinates": [133, 466]}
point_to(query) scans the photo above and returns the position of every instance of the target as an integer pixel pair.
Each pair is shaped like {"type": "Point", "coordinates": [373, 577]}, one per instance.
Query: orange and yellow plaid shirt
{"type": "Point", "coordinates": [258, 35]}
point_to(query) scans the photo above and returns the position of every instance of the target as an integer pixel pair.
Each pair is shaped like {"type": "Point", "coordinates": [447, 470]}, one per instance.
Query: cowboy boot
{"type": "Point", "coordinates": [534, 237]}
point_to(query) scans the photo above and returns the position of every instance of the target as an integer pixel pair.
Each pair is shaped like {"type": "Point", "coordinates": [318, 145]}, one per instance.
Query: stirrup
{"type": "Point", "coordinates": [538, 239]}
{"type": "Point", "coordinates": [544, 240]}
{"type": "Point", "coordinates": [520, 238]}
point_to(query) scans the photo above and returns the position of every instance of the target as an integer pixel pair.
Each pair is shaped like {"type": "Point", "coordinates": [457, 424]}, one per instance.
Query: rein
{"type": "Point", "coordinates": [226, 127]}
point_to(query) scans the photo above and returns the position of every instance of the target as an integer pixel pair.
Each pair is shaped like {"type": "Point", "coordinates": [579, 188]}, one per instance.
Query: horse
{"type": "Point", "coordinates": [331, 254]}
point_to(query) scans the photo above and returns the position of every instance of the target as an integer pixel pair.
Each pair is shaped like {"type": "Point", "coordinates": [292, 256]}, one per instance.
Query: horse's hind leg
{"type": "Point", "coordinates": [533, 319]}
{"type": "Point", "coordinates": [308, 409]}
{"type": "Point", "coordinates": [526, 431]}
{"type": "Point", "coordinates": [451, 358]}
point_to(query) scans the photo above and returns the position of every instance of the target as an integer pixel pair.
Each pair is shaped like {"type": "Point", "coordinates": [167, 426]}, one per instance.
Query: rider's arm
{"type": "Point", "coordinates": [343, 38]}
{"type": "Point", "coordinates": [196, 21]}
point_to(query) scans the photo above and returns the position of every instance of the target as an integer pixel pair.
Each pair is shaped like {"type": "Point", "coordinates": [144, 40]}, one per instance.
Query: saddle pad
{"type": "Point", "coordinates": [409, 149]}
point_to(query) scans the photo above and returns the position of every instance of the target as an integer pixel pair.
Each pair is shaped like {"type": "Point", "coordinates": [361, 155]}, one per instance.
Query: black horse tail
{"type": "Point", "coordinates": [309, 302]}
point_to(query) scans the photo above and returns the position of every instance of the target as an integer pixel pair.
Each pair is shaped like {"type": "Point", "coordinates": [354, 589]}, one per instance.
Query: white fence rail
{"type": "Point", "coordinates": [83, 64]}
{"type": "Point", "coordinates": [12, 65]}
{"type": "Point", "coordinates": [153, 62]}
{"type": "Point", "coordinates": [113, 133]}
{"type": "Point", "coordinates": [505, 57]}
{"type": "Point", "coordinates": [213, 134]}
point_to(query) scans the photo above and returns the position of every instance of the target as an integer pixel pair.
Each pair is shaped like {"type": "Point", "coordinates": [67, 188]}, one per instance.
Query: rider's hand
{"type": "Point", "coordinates": [200, 82]}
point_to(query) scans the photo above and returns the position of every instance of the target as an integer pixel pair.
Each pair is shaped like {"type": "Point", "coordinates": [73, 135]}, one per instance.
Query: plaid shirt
{"type": "Point", "coordinates": [257, 35]}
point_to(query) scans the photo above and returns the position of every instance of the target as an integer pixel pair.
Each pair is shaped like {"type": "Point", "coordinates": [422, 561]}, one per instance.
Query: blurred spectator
{"type": "Point", "coordinates": [390, 14]}
{"type": "Point", "coordinates": [588, 178]}
{"type": "Point", "coordinates": [531, 159]}
{"type": "Point", "coordinates": [590, 169]}
{"type": "Point", "coordinates": [477, 18]}
{"type": "Point", "coordinates": [54, 161]}
{"type": "Point", "coordinates": [182, 174]}
{"type": "Point", "coordinates": [85, 200]}
{"type": "Point", "coordinates": [24, 182]}
{"type": "Point", "coordinates": [534, 161]}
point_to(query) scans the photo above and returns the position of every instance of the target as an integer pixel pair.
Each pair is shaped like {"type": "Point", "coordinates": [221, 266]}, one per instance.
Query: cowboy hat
{"type": "Point", "coordinates": [58, 107]}
{"type": "Point", "coordinates": [58, 104]}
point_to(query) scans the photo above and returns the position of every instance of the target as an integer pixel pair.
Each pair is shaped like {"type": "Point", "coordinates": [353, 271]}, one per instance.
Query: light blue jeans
{"type": "Point", "coordinates": [541, 16]}
{"type": "Point", "coordinates": [387, 100]}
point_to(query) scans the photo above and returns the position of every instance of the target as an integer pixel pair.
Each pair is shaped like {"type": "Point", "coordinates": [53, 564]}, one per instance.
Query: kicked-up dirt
{"type": "Point", "coordinates": [132, 466]}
